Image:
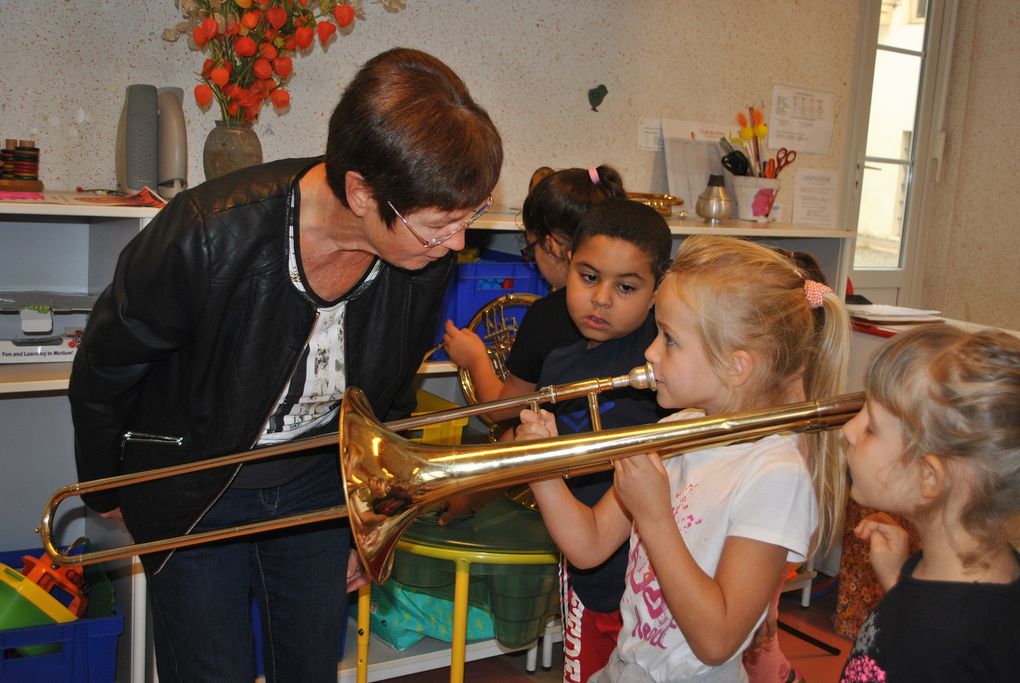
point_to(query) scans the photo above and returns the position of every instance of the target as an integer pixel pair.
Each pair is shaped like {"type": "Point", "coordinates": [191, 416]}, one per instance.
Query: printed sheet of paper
{"type": "Point", "coordinates": [816, 198]}
{"type": "Point", "coordinates": [649, 135]}
{"type": "Point", "coordinates": [692, 154]}
{"type": "Point", "coordinates": [800, 119]}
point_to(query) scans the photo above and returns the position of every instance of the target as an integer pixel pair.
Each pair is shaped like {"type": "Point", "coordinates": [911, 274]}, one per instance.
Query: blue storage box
{"type": "Point", "coordinates": [477, 283]}
{"type": "Point", "coordinates": [88, 646]}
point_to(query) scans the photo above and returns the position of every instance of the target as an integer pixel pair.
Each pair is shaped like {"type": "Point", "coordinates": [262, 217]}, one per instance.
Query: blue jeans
{"type": "Point", "coordinates": [201, 599]}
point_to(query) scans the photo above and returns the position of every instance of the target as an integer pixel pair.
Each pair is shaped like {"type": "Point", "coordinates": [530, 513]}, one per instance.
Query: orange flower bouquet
{"type": "Point", "coordinates": [251, 45]}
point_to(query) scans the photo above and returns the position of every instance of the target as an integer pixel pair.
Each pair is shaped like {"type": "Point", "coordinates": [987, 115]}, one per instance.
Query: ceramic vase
{"type": "Point", "coordinates": [230, 146]}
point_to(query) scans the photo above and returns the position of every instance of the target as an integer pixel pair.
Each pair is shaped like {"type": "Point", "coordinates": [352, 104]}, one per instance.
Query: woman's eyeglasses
{"type": "Point", "coordinates": [447, 234]}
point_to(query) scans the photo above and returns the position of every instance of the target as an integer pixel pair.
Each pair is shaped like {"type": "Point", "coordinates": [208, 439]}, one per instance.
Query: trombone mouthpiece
{"type": "Point", "coordinates": [641, 377]}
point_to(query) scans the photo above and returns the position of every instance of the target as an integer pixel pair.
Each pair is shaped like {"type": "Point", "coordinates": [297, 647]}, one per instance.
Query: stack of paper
{"type": "Point", "coordinates": [885, 321]}
{"type": "Point", "coordinates": [895, 315]}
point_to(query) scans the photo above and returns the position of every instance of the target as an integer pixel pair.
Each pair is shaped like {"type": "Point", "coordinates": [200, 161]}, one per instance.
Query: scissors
{"type": "Point", "coordinates": [736, 163]}
{"type": "Point", "coordinates": [784, 157]}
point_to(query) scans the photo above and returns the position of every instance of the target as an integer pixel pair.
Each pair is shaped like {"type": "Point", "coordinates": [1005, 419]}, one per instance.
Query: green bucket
{"type": "Point", "coordinates": [23, 603]}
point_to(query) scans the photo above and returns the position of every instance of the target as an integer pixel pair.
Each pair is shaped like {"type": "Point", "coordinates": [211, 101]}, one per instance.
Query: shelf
{"type": "Point", "coordinates": [504, 220]}
{"type": "Point", "coordinates": [19, 378]}
{"type": "Point", "coordinates": [385, 661]}
{"type": "Point", "coordinates": [41, 208]}
{"type": "Point", "coordinates": [23, 378]}
{"type": "Point", "coordinates": [437, 368]}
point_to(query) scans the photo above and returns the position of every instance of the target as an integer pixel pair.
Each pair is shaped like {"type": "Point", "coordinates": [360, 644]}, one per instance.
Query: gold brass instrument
{"type": "Point", "coordinates": [663, 203]}
{"type": "Point", "coordinates": [500, 332]}
{"type": "Point", "coordinates": [639, 378]}
{"type": "Point", "coordinates": [389, 480]}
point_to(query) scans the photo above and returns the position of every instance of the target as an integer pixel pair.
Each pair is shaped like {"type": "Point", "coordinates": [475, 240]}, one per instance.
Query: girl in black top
{"type": "Point", "coordinates": [938, 442]}
{"type": "Point", "coordinates": [551, 213]}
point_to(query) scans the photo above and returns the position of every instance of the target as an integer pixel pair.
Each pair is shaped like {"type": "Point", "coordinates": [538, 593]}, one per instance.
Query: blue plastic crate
{"type": "Point", "coordinates": [477, 283]}
{"type": "Point", "coordinates": [88, 647]}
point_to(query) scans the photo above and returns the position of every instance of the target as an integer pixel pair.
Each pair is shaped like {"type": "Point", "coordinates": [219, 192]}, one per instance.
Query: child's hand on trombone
{"type": "Point", "coordinates": [535, 425]}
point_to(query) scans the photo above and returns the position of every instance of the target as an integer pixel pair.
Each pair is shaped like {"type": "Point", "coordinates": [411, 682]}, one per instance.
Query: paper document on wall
{"type": "Point", "coordinates": [816, 198]}
{"type": "Point", "coordinates": [649, 135]}
{"type": "Point", "coordinates": [801, 120]}
{"type": "Point", "coordinates": [692, 154]}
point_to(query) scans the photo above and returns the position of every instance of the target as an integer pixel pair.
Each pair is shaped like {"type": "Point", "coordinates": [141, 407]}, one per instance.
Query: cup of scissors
{"type": "Point", "coordinates": [783, 158]}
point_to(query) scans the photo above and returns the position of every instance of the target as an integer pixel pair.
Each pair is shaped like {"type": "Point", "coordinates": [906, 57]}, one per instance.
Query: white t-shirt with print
{"type": "Point", "coordinates": [761, 491]}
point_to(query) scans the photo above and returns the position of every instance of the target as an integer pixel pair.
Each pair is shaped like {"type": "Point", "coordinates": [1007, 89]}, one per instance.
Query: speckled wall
{"type": "Point", "coordinates": [529, 62]}
{"type": "Point", "coordinates": [972, 239]}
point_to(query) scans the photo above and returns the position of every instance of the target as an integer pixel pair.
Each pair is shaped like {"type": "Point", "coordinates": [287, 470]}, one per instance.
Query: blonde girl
{"type": "Point", "coordinates": [938, 442]}
{"type": "Point", "coordinates": [711, 531]}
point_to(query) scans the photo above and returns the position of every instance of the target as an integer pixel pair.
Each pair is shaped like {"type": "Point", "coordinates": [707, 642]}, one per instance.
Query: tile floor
{"type": "Point", "coordinates": [814, 664]}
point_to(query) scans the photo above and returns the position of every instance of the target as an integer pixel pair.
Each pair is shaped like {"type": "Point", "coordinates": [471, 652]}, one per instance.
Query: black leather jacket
{"type": "Point", "coordinates": [200, 332]}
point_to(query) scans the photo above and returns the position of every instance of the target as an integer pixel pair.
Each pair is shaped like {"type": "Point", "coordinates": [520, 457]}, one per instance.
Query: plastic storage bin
{"type": "Point", "coordinates": [477, 283]}
{"type": "Point", "coordinates": [520, 598]}
{"type": "Point", "coordinates": [449, 432]}
{"type": "Point", "coordinates": [85, 650]}
{"type": "Point", "coordinates": [23, 603]}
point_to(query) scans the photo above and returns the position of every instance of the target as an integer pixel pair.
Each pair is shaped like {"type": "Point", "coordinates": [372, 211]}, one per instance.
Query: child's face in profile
{"type": "Point", "coordinates": [610, 288]}
{"type": "Point", "coordinates": [880, 476]}
{"type": "Point", "coordinates": [683, 374]}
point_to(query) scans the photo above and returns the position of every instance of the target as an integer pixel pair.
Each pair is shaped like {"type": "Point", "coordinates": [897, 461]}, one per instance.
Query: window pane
{"type": "Point", "coordinates": [883, 206]}
{"type": "Point", "coordinates": [893, 104]}
{"type": "Point", "coordinates": [902, 24]}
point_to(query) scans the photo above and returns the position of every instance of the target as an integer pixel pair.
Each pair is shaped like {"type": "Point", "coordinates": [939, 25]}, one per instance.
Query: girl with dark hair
{"type": "Point", "coordinates": [552, 211]}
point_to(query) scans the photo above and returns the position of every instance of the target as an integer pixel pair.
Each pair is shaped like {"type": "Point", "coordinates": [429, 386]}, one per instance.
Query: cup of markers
{"type": "Point", "coordinates": [755, 175]}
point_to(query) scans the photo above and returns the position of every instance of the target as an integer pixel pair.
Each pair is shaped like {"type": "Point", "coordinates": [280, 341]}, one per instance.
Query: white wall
{"type": "Point", "coordinates": [529, 62]}
{"type": "Point", "coordinates": [972, 240]}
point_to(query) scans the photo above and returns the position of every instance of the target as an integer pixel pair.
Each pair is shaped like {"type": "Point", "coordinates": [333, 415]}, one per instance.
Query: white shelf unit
{"type": "Point", "coordinates": [79, 246]}
{"type": "Point", "coordinates": [385, 661]}
{"type": "Point", "coordinates": [73, 249]}
{"type": "Point", "coordinates": [66, 249]}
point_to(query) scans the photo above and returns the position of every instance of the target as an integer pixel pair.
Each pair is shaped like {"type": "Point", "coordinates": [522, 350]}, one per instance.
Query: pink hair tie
{"type": "Point", "coordinates": [815, 292]}
{"type": "Point", "coordinates": [593, 173]}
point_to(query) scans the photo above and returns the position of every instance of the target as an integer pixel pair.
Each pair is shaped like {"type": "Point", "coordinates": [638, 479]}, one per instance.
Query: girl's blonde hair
{"type": "Point", "coordinates": [957, 396]}
{"type": "Point", "coordinates": [752, 298]}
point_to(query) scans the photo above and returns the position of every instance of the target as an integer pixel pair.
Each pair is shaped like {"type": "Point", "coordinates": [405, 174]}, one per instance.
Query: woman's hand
{"type": "Point", "coordinates": [356, 577]}
{"type": "Point", "coordinates": [455, 508]}
{"type": "Point", "coordinates": [464, 505]}
{"type": "Point", "coordinates": [540, 425]}
{"type": "Point", "coordinates": [888, 546]}
{"type": "Point", "coordinates": [642, 485]}
{"type": "Point", "coordinates": [464, 347]}
{"type": "Point", "coordinates": [115, 513]}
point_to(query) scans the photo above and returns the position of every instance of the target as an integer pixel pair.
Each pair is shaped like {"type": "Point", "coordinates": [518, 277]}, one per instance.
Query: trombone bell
{"type": "Point", "coordinates": [389, 480]}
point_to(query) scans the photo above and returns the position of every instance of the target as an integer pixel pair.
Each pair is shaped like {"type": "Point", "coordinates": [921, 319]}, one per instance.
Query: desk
{"type": "Point", "coordinates": [501, 536]}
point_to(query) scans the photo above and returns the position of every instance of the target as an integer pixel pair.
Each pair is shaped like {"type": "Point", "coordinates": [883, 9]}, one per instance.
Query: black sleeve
{"type": "Point", "coordinates": [147, 313]}
{"type": "Point", "coordinates": [406, 400]}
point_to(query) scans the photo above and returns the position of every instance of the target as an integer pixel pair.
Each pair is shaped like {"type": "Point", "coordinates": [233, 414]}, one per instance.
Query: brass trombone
{"type": "Point", "coordinates": [639, 378]}
{"type": "Point", "coordinates": [388, 480]}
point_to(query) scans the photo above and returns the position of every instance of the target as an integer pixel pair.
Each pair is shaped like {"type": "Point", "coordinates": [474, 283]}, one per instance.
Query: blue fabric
{"type": "Point", "coordinates": [402, 616]}
{"type": "Point", "coordinates": [201, 599]}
